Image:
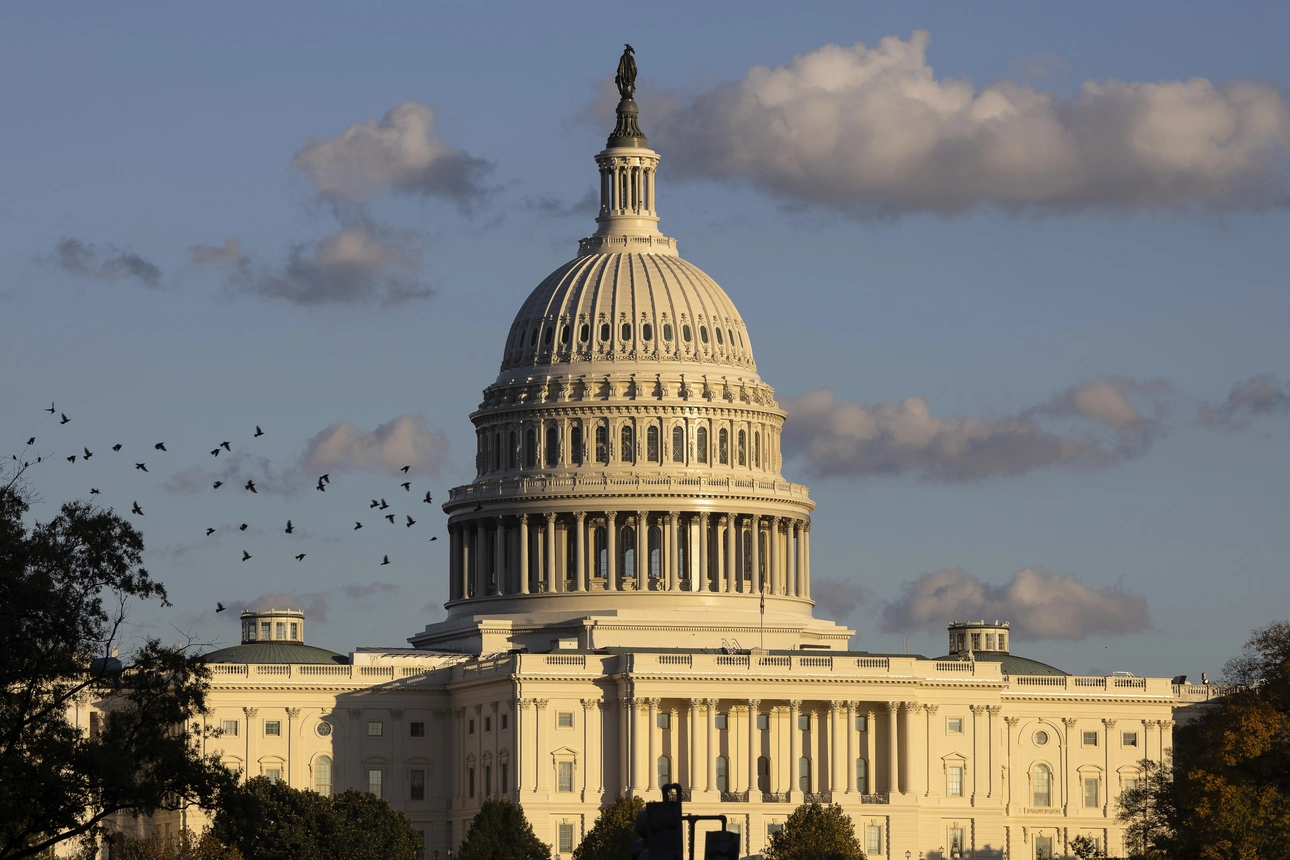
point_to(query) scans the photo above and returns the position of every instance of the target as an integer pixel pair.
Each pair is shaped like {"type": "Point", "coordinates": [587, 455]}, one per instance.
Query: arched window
{"type": "Point", "coordinates": [651, 444]}
{"type": "Point", "coordinates": [862, 775]}
{"type": "Point", "coordinates": [741, 340]}
{"type": "Point", "coordinates": [1043, 785]}
{"type": "Point", "coordinates": [655, 552]}
{"type": "Point", "coordinates": [530, 448]}
{"type": "Point", "coordinates": [701, 444]}
{"type": "Point", "coordinates": [497, 450]}
{"type": "Point", "coordinates": [575, 444]}
{"type": "Point", "coordinates": [718, 333]}
{"type": "Point", "coordinates": [804, 774]}
{"type": "Point", "coordinates": [584, 333]}
{"type": "Point", "coordinates": [723, 765]}
{"type": "Point", "coordinates": [678, 444]}
{"type": "Point", "coordinates": [628, 539]}
{"type": "Point", "coordinates": [703, 333]}
{"type": "Point", "coordinates": [627, 331]}
{"type": "Point", "coordinates": [564, 334]}
{"type": "Point", "coordinates": [488, 779]}
{"type": "Point", "coordinates": [604, 331]}
{"type": "Point", "coordinates": [627, 440]}
{"type": "Point", "coordinates": [602, 443]}
{"type": "Point", "coordinates": [515, 451]}
{"type": "Point", "coordinates": [756, 450]}
{"type": "Point", "coordinates": [763, 773]}
{"type": "Point", "coordinates": [685, 333]}
{"type": "Point", "coordinates": [552, 445]}
{"type": "Point", "coordinates": [664, 770]}
{"type": "Point", "coordinates": [731, 334]}
{"type": "Point", "coordinates": [667, 331]}
{"type": "Point", "coordinates": [602, 552]}
{"type": "Point", "coordinates": [546, 338]}
{"type": "Point", "coordinates": [647, 332]}
{"type": "Point", "coordinates": [533, 340]}
{"type": "Point", "coordinates": [723, 446]}
{"type": "Point", "coordinates": [322, 774]}
{"type": "Point", "coordinates": [743, 448]}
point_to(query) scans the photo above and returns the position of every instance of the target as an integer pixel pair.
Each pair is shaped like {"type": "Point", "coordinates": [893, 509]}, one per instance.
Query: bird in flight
{"type": "Point", "coordinates": [428, 499]}
{"type": "Point", "coordinates": [94, 491]}
{"type": "Point", "coordinates": [160, 446]}
{"type": "Point", "coordinates": [242, 527]}
{"type": "Point", "coordinates": [217, 485]}
{"type": "Point", "coordinates": [210, 532]}
{"type": "Point", "coordinates": [385, 560]}
{"type": "Point", "coordinates": [50, 410]}
{"type": "Point", "coordinates": [407, 486]}
{"type": "Point", "coordinates": [64, 417]}
{"type": "Point", "coordinates": [258, 431]}
{"type": "Point", "coordinates": [404, 470]}
{"type": "Point", "coordinates": [88, 453]}
{"type": "Point", "coordinates": [136, 509]}
{"type": "Point", "coordinates": [116, 447]}
{"type": "Point", "coordinates": [290, 528]}
{"type": "Point", "coordinates": [215, 453]}
{"type": "Point", "coordinates": [219, 607]}
{"type": "Point", "coordinates": [383, 504]}
{"type": "Point", "coordinates": [141, 467]}
{"type": "Point", "coordinates": [357, 525]}
{"type": "Point", "coordinates": [71, 459]}
{"type": "Point", "coordinates": [433, 539]}
{"type": "Point", "coordinates": [390, 517]}
{"type": "Point", "coordinates": [300, 557]}
{"type": "Point", "coordinates": [250, 485]}
{"type": "Point", "coordinates": [226, 447]}
{"type": "Point", "coordinates": [325, 478]}
{"type": "Point", "coordinates": [321, 487]}
{"type": "Point", "coordinates": [245, 555]}
{"type": "Point", "coordinates": [411, 522]}
{"type": "Point", "coordinates": [31, 441]}
{"type": "Point", "coordinates": [374, 504]}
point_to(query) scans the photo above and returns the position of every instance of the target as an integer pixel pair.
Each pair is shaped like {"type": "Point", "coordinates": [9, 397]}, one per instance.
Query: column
{"type": "Point", "coordinates": [499, 555]}
{"type": "Point", "coordinates": [611, 549]}
{"type": "Point", "coordinates": [674, 745]}
{"type": "Point", "coordinates": [674, 549]}
{"type": "Point", "coordinates": [458, 756]}
{"type": "Point", "coordinates": [893, 749]}
{"type": "Point", "coordinates": [814, 717]}
{"type": "Point", "coordinates": [541, 762]}
{"type": "Point", "coordinates": [755, 557]}
{"type": "Point", "coordinates": [642, 551]}
{"type": "Point", "coordinates": [454, 563]}
{"type": "Point", "coordinates": [481, 554]}
{"type": "Point", "coordinates": [991, 712]}
{"type": "Point", "coordinates": [1108, 725]}
{"type": "Point", "coordinates": [776, 573]}
{"type": "Point", "coordinates": [871, 750]}
{"type": "Point", "coordinates": [925, 742]}
{"type": "Point", "coordinates": [850, 717]}
{"type": "Point", "coordinates": [653, 743]}
{"type": "Point", "coordinates": [710, 754]}
{"type": "Point", "coordinates": [794, 749]}
{"type": "Point", "coordinates": [1070, 778]}
{"type": "Point", "coordinates": [692, 760]}
{"type": "Point", "coordinates": [733, 574]}
{"type": "Point", "coordinates": [625, 744]}
{"type": "Point", "coordinates": [580, 554]}
{"type": "Point", "coordinates": [292, 713]}
{"type": "Point", "coordinates": [806, 559]}
{"type": "Point", "coordinates": [640, 746]}
{"type": "Point", "coordinates": [978, 755]}
{"type": "Point", "coordinates": [396, 766]}
{"type": "Point", "coordinates": [590, 751]}
{"type": "Point", "coordinates": [524, 553]}
{"type": "Point", "coordinates": [551, 578]}
{"type": "Point", "coordinates": [705, 549]}
{"type": "Point", "coordinates": [837, 714]}
{"type": "Point", "coordinates": [907, 766]}
{"type": "Point", "coordinates": [753, 746]}
{"type": "Point", "coordinates": [799, 560]}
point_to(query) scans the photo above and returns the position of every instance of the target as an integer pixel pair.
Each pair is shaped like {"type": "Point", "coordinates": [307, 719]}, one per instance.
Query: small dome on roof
{"type": "Point", "coordinates": [274, 652]}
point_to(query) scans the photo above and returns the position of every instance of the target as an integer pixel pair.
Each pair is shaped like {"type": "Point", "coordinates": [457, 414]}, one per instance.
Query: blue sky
{"type": "Point", "coordinates": [153, 129]}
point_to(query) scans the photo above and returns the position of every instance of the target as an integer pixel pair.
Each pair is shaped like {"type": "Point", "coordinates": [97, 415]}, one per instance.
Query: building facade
{"type": "Point", "coordinates": [629, 604]}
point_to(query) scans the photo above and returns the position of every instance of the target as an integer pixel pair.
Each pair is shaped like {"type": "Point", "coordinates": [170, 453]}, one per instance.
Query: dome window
{"type": "Point", "coordinates": [731, 335]}
{"type": "Point", "coordinates": [741, 340]}
{"type": "Point", "coordinates": [723, 447]}
{"type": "Point", "coordinates": [564, 335]}
{"type": "Point", "coordinates": [647, 332]}
{"type": "Point", "coordinates": [584, 333]}
{"type": "Point", "coordinates": [703, 333]}
{"type": "Point", "coordinates": [604, 331]}
{"type": "Point", "coordinates": [667, 331]}
{"type": "Point", "coordinates": [546, 338]}
{"type": "Point", "coordinates": [627, 331]}
{"type": "Point", "coordinates": [651, 445]}
{"type": "Point", "coordinates": [628, 444]}
{"type": "Point", "coordinates": [718, 333]}
{"type": "Point", "coordinates": [678, 444]}
{"type": "Point", "coordinates": [533, 339]}
{"type": "Point", "coordinates": [575, 444]}
{"type": "Point", "coordinates": [701, 444]}
{"type": "Point", "coordinates": [685, 333]}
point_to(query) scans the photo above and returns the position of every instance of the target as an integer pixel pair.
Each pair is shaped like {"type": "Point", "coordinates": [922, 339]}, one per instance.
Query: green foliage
{"type": "Point", "coordinates": [1085, 848]}
{"type": "Point", "coordinates": [187, 846]}
{"type": "Point", "coordinates": [65, 586]}
{"type": "Point", "coordinates": [813, 832]}
{"type": "Point", "coordinates": [614, 832]}
{"type": "Point", "coordinates": [268, 820]}
{"type": "Point", "coordinates": [500, 831]}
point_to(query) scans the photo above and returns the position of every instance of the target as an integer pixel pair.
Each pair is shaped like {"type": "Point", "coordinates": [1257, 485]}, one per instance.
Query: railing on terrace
{"type": "Point", "coordinates": [703, 485]}
{"type": "Point", "coordinates": [566, 659]}
{"type": "Point", "coordinates": [818, 797]}
{"type": "Point", "coordinates": [963, 667]}
{"type": "Point", "coordinates": [875, 798]}
{"type": "Point", "coordinates": [734, 797]}
{"type": "Point", "coordinates": [775, 797]}
{"type": "Point", "coordinates": [676, 659]}
{"type": "Point", "coordinates": [1096, 684]}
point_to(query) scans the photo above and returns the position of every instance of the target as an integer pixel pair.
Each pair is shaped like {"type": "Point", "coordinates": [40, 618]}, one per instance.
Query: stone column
{"type": "Point", "coordinates": [837, 714]}
{"type": "Point", "coordinates": [753, 746]}
{"type": "Point", "coordinates": [871, 750]}
{"type": "Point", "coordinates": [580, 554]}
{"type": "Point", "coordinates": [710, 754]}
{"type": "Point", "coordinates": [499, 555]}
{"type": "Point", "coordinates": [925, 746]}
{"type": "Point", "coordinates": [733, 574]}
{"type": "Point", "coordinates": [653, 743]}
{"type": "Point", "coordinates": [625, 744]}
{"type": "Point", "coordinates": [292, 713]}
{"type": "Point", "coordinates": [776, 573]}
{"type": "Point", "coordinates": [611, 550]}
{"type": "Point", "coordinates": [991, 712]}
{"type": "Point", "coordinates": [705, 549]}
{"type": "Point", "coordinates": [551, 578]}
{"type": "Point", "coordinates": [454, 570]}
{"type": "Point", "coordinates": [642, 551]}
{"type": "Point", "coordinates": [458, 756]}
{"type": "Point", "coordinates": [692, 760]}
{"type": "Point", "coordinates": [674, 745]}
{"type": "Point", "coordinates": [674, 549]}
{"type": "Point", "coordinates": [542, 762]}
{"type": "Point", "coordinates": [814, 717]}
{"type": "Point", "coordinates": [396, 766]}
{"type": "Point", "coordinates": [893, 748]}
{"type": "Point", "coordinates": [755, 559]}
{"type": "Point", "coordinates": [590, 750]}
{"type": "Point", "coordinates": [1070, 777]}
{"type": "Point", "coordinates": [524, 553]}
{"type": "Point", "coordinates": [850, 717]}
{"type": "Point", "coordinates": [806, 556]}
{"type": "Point", "coordinates": [799, 561]}
{"type": "Point", "coordinates": [1108, 726]}
{"type": "Point", "coordinates": [640, 746]}
{"type": "Point", "coordinates": [794, 749]}
{"type": "Point", "coordinates": [908, 766]}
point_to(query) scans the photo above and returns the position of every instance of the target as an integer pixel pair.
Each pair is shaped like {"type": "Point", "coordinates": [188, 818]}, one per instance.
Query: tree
{"type": "Point", "coordinates": [267, 820]}
{"type": "Point", "coordinates": [1085, 848]}
{"type": "Point", "coordinates": [815, 831]}
{"type": "Point", "coordinates": [500, 831]}
{"type": "Point", "coordinates": [614, 832]}
{"type": "Point", "coordinates": [65, 587]}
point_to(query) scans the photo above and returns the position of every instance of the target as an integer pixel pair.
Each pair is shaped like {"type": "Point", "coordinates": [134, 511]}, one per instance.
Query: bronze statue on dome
{"type": "Point", "coordinates": [626, 77]}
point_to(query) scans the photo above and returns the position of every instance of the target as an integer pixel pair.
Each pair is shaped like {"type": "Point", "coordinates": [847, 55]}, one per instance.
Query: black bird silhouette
{"type": "Point", "coordinates": [210, 532]}
{"type": "Point", "coordinates": [404, 470]}
{"type": "Point", "coordinates": [245, 555]}
{"type": "Point", "coordinates": [31, 441]}
{"type": "Point", "coordinates": [136, 509]}
{"type": "Point", "coordinates": [435, 538]}
{"type": "Point", "coordinates": [290, 528]}
{"type": "Point", "coordinates": [217, 485]}
{"type": "Point", "coordinates": [300, 557]}
{"type": "Point", "coordinates": [226, 447]}
{"type": "Point", "coordinates": [390, 517]}
{"type": "Point", "coordinates": [258, 431]}
{"type": "Point", "coordinates": [71, 459]}
{"type": "Point", "coordinates": [141, 467]}
{"type": "Point", "coordinates": [407, 486]}
{"type": "Point", "coordinates": [116, 447]}
{"type": "Point", "coordinates": [88, 453]}
{"type": "Point", "coordinates": [374, 504]}
{"type": "Point", "coordinates": [160, 446]}
{"type": "Point", "coordinates": [357, 525]}
{"type": "Point", "coordinates": [219, 607]}
{"type": "Point", "coordinates": [384, 505]}
{"type": "Point", "coordinates": [320, 488]}
{"type": "Point", "coordinates": [428, 499]}
{"type": "Point", "coordinates": [64, 417]}
{"type": "Point", "coordinates": [250, 485]}
{"type": "Point", "coordinates": [411, 522]}
{"type": "Point", "coordinates": [94, 491]}
{"type": "Point", "coordinates": [215, 453]}
{"type": "Point", "coordinates": [242, 527]}
{"type": "Point", "coordinates": [50, 410]}
{"type": "Point", "coordinates": [385, 560]}
{"type": "Point", "coordinates": [325, 478]}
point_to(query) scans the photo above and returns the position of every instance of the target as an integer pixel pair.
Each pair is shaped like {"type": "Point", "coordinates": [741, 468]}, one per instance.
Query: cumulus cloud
{"type": "Point", "coordinates": [402, 153]}
{"type": "Point", "coordinates": [1095, 424]}
{"type": "Point", "coordinates": [105, 264]}
{"type": "Point", "coordinates": [873, 131]}
{"type": "Point", "coordinates": [1038, 603]}
{"type": "Point", "coordinates": [393, 445]}
{"type": "Point", "coordinates": [1259, 396]}
{"type": "Point", "coordinates": [837, 599]}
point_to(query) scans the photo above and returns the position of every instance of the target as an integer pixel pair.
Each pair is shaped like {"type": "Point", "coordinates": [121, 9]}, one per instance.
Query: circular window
{"type": "Point", "coordinates": [1041, 738]}
{"type": "Point", "coordinates": [604, 331]}
{"type": "Point", "coordinates": [703, 333]}
{"type": "Point", "coordinates": [718, 333]}
{"type": "Point", "coordinates": [647, 332]}
{"type": "Point", "coordinates": [685, 333]}
{"type": "Point", "coordinates": [323, 729]}
{"type": "Point", "coordinates": [627, 331]}
{"type": "Point", "coordinates": [667, 331]}
{"type": "Point", "coordinates": [584, 333]}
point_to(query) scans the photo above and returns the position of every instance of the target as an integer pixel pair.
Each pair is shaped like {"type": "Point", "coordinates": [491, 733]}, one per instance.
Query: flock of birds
{"type": "Point", "coordinates": [323, 482]}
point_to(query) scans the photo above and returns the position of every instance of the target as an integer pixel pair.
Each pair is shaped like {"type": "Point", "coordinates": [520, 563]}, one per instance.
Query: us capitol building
{"type": "Point", "coordinates": [628, 536]}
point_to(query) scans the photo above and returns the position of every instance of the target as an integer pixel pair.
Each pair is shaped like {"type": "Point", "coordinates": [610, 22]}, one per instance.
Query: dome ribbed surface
{"type": "Point", "coordinates": [615, 307]}
{"type": "Point", "coordinates": [274, 652]}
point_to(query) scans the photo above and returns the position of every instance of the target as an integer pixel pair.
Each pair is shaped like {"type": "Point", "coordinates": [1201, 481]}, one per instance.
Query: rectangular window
{"type": "Point", "coordinates": [564, 720]}
{"type": "Point", "coordinates": [470, 781]}
{"type": "Point", "coordinates": [566, 838]}
{"type": "Point", "coordinates": [862, 724]}
{"type": "Point", "coordinates": [273, 728]}
{"type": "Point", "coordinates": [470, 727]}
{"type": "Point", "coordinates": [417, 730]}
{"type": "Point", "coordinates": [564, 771]}
{"type": "Point", "coordinates": [873, 839]}
{"type": "Point", "coordinates": [1092, 791]}
{"type": "Point", "coordinates": [954, 725]}
{"type": "Point", "coordinates": [295, 630]}
{"type": "Point", "coordinates": [266, 630]}
{"type": "Point", "coordinates": [229, 728]}
{"type": "Point", "coordinates": [417, 784]}
{"type": "Point", "coordinates": [1090, 739]}
{"type": "Point", "coordinates": [505, 775]}
{"type": "Point", "coordinates": [421, 845]}
{"type": "Point", "coordinates": [488, 724]}
{"type": "Point", "coordinates": [1129, 739]}
{"type": "Point", "coordinates": [665, 721]}
{"type": "Point", "coordinates": [772, 829]}
{"type": "Point", "coordinates": [763, 722]}
{"type": "Point", "coordinates": [1130, 784]}
{"type": "Point", "coordinates": [375, 729]}
{"type": "Point", "coordinates": [720, 721]}
{"type": "Point", "coordinates": [989, 641]}
{"type": "Point", "coordinates": [374, 782]}
{"type": "Point", "coordinates": [281, 630]}
{"type": "Point", "coordinates": [803, 723]}
{"type": "Point", "coordinates": [976, 641]}
{"type": "Point", "coordinates": [955, 787]}
{"type": "Point", "coordinates": [504, 721]}
{"type": "Point", "coordinates": [956, 842]}
{"type": "Point", "coordinates": [274, 774]}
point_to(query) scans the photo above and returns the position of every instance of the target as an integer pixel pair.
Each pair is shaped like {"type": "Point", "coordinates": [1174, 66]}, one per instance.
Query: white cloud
{"type": "Point", "coordinates": [873, 131]}
{"type": "Point", "coordinates": [104, 264]}
{"type": "Point", "coordinates": [851, 438]}
{"type": "Point", "coordinates": [837, 599]}
{"type": "Point", "coordinates": [393, 445]}
{"type": "Point", "coordinates": [401, 153]}
{"type": "Point", "coordinates": [1039, 605]}
{"type": "Point", "coordinates": [1259, 396]}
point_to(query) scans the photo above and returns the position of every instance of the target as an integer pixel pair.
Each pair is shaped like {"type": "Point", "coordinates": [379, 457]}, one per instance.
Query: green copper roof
{"type": "Point", "coordinates": [274, 652]}
{"type": "Point", "coordinates": [1011, 664]}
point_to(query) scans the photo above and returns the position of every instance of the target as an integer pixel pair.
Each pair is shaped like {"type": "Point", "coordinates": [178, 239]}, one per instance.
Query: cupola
{"type": "Point", "coordinates": [978, 637]}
